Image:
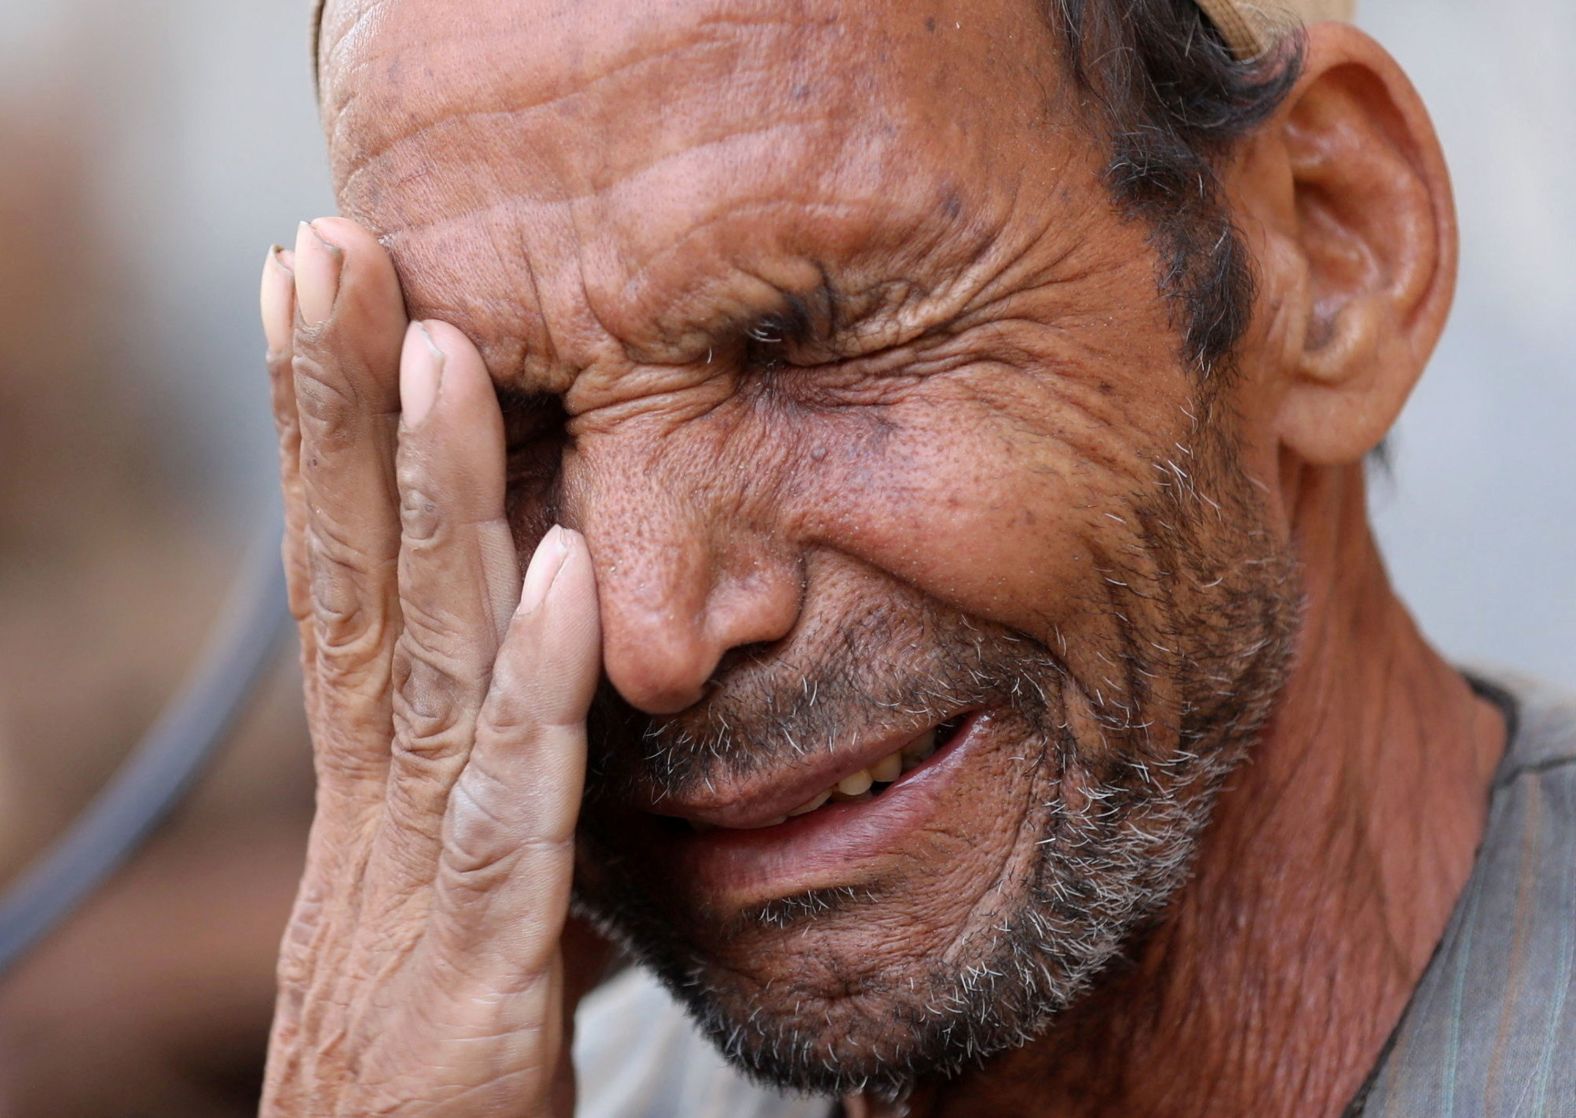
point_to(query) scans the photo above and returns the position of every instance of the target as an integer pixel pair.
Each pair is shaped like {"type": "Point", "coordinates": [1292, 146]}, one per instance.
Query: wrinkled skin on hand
{"type": "Point", "coordinates": [421, 972]}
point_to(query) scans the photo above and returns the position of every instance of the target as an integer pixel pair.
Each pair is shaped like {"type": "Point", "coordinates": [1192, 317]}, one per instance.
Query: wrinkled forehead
{"type": "Point", "coordinates": [623, 135]}
{"type": "Point", "coordinates": [622, 80]}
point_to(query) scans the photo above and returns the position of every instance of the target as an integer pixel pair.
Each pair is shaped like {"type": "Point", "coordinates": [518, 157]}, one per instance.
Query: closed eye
{"type": "Point", "coordinates": [782, 337]}
{"type": "Point", "coordinates": [534, 434]}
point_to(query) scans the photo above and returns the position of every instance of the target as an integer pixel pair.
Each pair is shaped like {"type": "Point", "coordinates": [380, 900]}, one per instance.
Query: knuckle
{"type": "Point", "coordinates": [298, 585]}
{"type": "Point", "coordinates": [344, 628]}
{"type": "Point", "coordinates": [441, 637]}
{"type": "Point", "coordinates": [349, 617]}
{"type": "Point", "coordinates": [419, 515]}
{"type": "Point", "coordinates": [431, 702]}
{"type": "Point", "coordinates": [281, 380]}
{"type": "Point", "coordinates": [346, 634]}
{"type": "Point", "coordinates": [513, 708]}
{"type": "Point", "coordinates": [294, 969]}
{"type": "Point", "coordinates": [521, 706]}
{"type": "Point", "coordinates": [326, 404]}
{"type": "Point", "coordinates": [492, 826]}
{"type": "Point", "coordinates": [279, 363]}
{"type": "Point", "coordinates": [337, 764]}
{"type": "Point", "coordinates": [355, 660]}
{"type": "Point", "coordinates": [298, 949]}
{"type": "Point", "coordinates": [439, 496]}
{"type": "Point", "coordinates": [300, 601]}
{"type": "Point", "coordinates": [481, 846]}
{"type": "Point", "coordinates": [432, 507]}
{"type": "Point", "coordinates": [509, 716]}
{"type": "Point", "coordinates": [289, 459]}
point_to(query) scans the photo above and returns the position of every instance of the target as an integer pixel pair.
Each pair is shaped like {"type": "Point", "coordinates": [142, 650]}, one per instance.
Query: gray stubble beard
{"type": "Point", "coordinates": [1115, 842]}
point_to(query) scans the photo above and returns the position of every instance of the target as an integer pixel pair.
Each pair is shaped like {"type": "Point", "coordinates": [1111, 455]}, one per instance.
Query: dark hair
{"type": "Point", "coordinates": [1163, 89]}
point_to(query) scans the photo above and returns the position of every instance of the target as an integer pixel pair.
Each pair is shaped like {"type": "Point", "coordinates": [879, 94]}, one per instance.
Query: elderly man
{"type": "Point", "coordinates": [953, 656]}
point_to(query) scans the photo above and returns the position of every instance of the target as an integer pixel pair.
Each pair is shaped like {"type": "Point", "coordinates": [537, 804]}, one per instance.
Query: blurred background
{"type": "Point", "coordinates": [150, 150]}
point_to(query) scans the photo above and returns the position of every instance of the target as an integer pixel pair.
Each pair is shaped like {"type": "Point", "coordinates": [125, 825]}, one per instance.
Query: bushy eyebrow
{"type": "Point", "coordinates": [832, 321]}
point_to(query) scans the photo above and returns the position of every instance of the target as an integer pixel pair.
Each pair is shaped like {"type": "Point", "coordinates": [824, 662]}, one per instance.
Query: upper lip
{"type": "Point", "coordinates": [763, 798]}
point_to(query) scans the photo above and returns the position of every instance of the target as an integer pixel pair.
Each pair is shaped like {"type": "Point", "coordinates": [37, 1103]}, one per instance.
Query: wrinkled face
{"type": "Point", "coordinates": [934, 602]}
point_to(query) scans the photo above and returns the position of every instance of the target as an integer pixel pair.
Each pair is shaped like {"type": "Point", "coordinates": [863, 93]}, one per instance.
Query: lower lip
{"type": "Point", "coordinates": [831, 846]}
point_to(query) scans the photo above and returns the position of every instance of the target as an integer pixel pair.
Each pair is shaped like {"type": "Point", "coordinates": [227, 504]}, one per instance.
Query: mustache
{"type": "Point", "coordinates": [886, 671]}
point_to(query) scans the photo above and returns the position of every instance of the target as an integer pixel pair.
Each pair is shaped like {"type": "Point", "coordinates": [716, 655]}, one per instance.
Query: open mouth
{"type": "Point", "coordinates": [869, 782]}
{"type": "Point", "coordinates": [819, 828]}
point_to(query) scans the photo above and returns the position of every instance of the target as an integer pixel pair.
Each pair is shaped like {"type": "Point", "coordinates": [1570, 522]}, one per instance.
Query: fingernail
{"type": "Point", "coordinates": [545, 565]}
{"type": "Point", "coordinates": [317, 264]}
{"type": "Point", "coordinates": [278, 287]}
{"type": "Point", "coordinates": [420, 373]}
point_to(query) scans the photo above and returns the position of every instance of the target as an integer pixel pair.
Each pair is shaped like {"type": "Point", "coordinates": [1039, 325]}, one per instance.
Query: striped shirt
{"type": "Point", "coordinates": [1490, 1031]}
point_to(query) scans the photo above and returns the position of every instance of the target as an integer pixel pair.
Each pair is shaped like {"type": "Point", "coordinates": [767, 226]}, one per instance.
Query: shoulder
{"type": "Point", "coordinates": [1543, 725]}
{"type": "Point", "coordinates": [1492, 1026]}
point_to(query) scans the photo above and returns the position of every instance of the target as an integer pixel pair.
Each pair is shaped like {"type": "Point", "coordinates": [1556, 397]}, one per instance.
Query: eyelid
{"type": "Point", "coordinates": [874, 362]}
{"type": "Point", "coordinates": [769, 330]}
{"type": "Point", "coordinates": [876, 349]}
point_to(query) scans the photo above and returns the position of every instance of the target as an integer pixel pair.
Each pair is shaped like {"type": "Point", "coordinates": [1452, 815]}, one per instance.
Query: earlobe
{"type": "Point", "coordinates": [1375, 227]}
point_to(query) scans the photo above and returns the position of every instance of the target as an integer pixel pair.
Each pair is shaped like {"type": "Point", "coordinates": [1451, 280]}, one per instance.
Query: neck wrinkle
{"type": "Point", "coordinates": [1322, 886]}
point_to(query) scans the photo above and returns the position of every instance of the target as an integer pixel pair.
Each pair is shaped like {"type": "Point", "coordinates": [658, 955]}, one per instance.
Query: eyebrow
{"type": "Point", "coordinates": [814, 323]}
{"type": "Point", "coordinates": [828, 324]}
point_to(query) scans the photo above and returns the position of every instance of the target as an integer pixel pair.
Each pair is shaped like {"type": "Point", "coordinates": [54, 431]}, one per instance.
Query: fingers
{"type": "Point", "coordinates": [448, 708]}
{"type": "Point", "coordinates": [458, 575]}
{"type": "Point", "coordinates": [278, 312]}
{"type": "Point", "coordinates": [488, 965]}
{"type": "Point", "coordinates": [349, 328]}
{"type": "Point", "coordinates": [508, 835]}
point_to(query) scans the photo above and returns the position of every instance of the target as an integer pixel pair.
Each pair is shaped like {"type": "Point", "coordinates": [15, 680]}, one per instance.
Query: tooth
{"type": "Point", "coordinates": [920, 748]}
{"type": "Point", "coordinates": [811, 805]}
{"type": "Point", "coordinates": [855, 784]}
{"type": "Point", "coordinates": [888, 769]}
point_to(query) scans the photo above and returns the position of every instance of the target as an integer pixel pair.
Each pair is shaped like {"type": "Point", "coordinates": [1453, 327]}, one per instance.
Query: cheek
{"type": "Point", "coordinates": [1008, 505]}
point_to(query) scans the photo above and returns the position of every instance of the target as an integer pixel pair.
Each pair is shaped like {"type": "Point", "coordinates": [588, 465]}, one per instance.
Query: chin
{"type": "Point", "coordinates": [865, 946]}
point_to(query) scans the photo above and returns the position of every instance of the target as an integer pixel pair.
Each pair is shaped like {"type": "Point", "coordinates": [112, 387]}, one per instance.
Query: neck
{"type": "Point", "coordinates": [1322, 885]}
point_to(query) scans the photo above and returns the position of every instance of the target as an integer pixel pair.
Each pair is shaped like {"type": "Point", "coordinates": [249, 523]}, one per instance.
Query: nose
{"type": "Point", "coordinates": [686, 571]}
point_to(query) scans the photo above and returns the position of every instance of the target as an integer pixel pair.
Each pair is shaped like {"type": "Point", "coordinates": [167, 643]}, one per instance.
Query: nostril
{"type": "Point", "coordinates": [687, 592]}
{"type": "Point", "coordinates": [742, 657]}
{"type": "Point", "coordinates": [665, 669]}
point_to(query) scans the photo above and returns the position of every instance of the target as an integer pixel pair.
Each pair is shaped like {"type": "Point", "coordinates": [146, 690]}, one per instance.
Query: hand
{"type": "Point", "coordinates": [422, 970]}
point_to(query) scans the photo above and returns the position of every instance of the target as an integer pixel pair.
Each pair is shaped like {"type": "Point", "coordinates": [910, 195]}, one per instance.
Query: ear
{"type": "Point", "coordinates": [1363, 247]}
